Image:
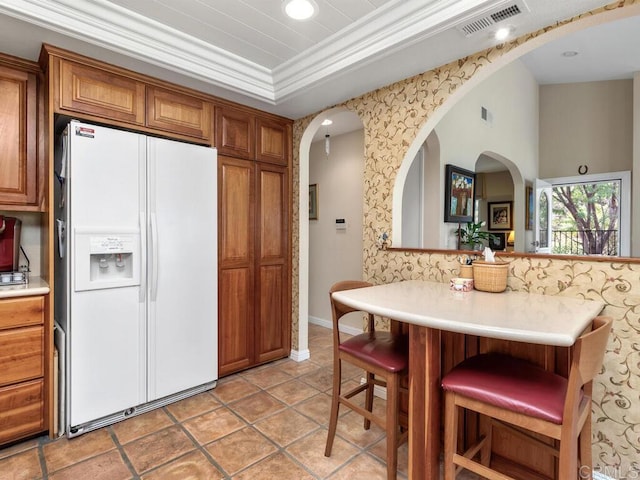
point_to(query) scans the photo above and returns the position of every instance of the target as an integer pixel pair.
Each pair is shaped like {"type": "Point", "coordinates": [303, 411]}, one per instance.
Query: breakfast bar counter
{"type": "Point", "coordinates": [431, 308]}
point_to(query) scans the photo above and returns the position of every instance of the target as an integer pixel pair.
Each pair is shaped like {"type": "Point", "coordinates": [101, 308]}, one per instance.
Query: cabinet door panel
{"type": "Point", "coordinates": [235, 320]}
{"type": "Point", "coordinates": [273, 140]}
{"type": "Point", "coordinates": [178, 113]}
{"type": "Point", "coordinates": [18, 150]}
{"type": "Point", "coordinates": [236, 178]}
{"type": "Point", "coordinates": [21, 354]}
{"type": "Point", "coordinates": [100, 93]}
{"type": "Point", "coordinates": [273, 316]}
{"type": "Point", "coordinates": [235, 132]}
{"type": "Point", "coordinates": [21, 311]}
{"type": "Point", "coordinates": [22, 408]}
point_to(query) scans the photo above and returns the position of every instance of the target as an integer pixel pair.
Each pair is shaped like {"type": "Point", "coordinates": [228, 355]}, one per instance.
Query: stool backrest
{"type": "Point", "coordinates": [339, 309]}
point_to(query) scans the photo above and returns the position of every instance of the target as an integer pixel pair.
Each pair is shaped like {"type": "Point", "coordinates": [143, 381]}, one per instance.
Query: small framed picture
{"type": "Point", "coordinates": [313, 201]}
{"type": "Point", "coordinates": [459, 194]}
{"type": "Point", "coordinates": [497, 241]}
{"type": "Point", "coordinates": [529, 207]}
{"type": "Point", "coordinates": [500, 215]}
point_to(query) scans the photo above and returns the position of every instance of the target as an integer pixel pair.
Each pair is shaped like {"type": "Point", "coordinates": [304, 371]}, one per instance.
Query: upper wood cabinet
{"type": "Point", "coordinates": [273, 141]}
{"type": "Point", "coordinates": [100, 93]}
{"type": "Point", "coordinates": [19, 165]}
{"type": "Point", "coordinates": [178, 113]}
{"type": "Point", "coordinates": [235, 132]}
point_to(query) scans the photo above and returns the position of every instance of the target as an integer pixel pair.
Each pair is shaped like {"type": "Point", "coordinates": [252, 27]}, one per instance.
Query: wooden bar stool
{"type": "Point", "coordinates": [514, 394]}
{"type": "Point", "coordinates": [384, 358]}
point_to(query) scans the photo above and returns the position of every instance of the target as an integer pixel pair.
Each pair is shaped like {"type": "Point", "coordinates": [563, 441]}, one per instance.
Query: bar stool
{"type": "Point", "coordinates": [384, 358]}
{"type": "Point", "coordinates": [512, 393]}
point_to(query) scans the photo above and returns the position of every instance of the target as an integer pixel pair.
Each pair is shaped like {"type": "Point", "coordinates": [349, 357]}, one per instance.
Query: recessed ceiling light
{"type": "Point", "coordinates": [569, 53]}
{"type": "Point", "coordinates": [502, 33]}
{"type": "Point", "coordinates": [300, 9]}
{"type": "Point", "coordinates": [326, 122]}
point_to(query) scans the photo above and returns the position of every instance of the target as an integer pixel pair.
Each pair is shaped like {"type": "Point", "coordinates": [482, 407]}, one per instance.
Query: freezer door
{"type": "Point", "coordinates": [107, 331]}
{"type": "Point", "coordinates": [182, 270]}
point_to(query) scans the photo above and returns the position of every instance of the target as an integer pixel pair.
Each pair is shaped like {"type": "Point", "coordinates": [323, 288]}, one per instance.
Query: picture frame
{"type": "Point", "coordinates": [500, 216]}
{"type": "Point", "coordinates": [498, 242]}
{"type": "Point", "coordinates": [529, 208]}
{"type": "Point", "coordinates": [313, 201]}
{"type": "Point", "coordinates": [459, 194]}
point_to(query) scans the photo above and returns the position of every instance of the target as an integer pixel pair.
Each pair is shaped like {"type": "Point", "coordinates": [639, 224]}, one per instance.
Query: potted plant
{"type": "Point", "coordinates": [471, 237]}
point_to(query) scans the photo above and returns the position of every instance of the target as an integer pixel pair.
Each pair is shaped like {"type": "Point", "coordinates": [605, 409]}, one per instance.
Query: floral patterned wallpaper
{"type": "Point", "coordinates": [392, 117]}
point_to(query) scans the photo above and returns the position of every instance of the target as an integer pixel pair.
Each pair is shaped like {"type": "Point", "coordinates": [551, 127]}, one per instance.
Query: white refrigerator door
{"type": "Point", "coordinates": [182, 199]}
{"type": "Point", "coordinates": [107, 332]}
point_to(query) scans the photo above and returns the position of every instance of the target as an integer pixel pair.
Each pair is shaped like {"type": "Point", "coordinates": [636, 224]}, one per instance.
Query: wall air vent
{"type": "Point", "coordinates": [477, 25]}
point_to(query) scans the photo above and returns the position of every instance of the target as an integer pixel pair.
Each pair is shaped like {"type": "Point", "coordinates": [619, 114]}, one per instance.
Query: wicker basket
{"type": "Point", "coordinates": [490, 277]}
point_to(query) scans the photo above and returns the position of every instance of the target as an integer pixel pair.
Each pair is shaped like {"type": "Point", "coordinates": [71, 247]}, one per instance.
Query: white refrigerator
{"type": "Point", "coordinates": [136, 279]}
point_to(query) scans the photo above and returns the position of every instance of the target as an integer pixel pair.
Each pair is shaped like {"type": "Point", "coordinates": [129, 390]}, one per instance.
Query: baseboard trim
{"type": "Point", "coordinates": [329, 324]}
{"type": "Point", "coordinates": [300, 355]}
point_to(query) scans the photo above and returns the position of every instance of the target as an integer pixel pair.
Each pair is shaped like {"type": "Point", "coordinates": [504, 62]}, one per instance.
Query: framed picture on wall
{"type": "Point", "coordinates": [500, 215]}
{"type": "Point", "coordinates": [497, 242]}
{"type": "Point", "coordinates": [529, 208]}
{"type": "Point", "coordinates": [313, 201]}
{"type": "Point", "coordinates": [459, 194]}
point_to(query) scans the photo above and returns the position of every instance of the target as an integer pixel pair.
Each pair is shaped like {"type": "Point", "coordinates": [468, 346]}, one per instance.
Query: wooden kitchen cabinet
{"type": "Point", "coordinates": [273, 141]}
{"type": "Point", "coordinates": [254, 280]}
{"type": "Point", "coordinates": [100, 93]}
{"type": "Point", "coordinates": [21, 172]}
{"type": "Point", "coordinates": [179, 113]}
{"type": "Point", "coordinates": [22, 360]}
{"type": "Point", "coordinates": [235, 132]}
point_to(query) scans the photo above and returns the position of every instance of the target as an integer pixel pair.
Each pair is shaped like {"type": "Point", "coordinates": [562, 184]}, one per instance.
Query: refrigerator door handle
{"type": "Point", "coordinates": [154, 258]}
{"type": "Point", "coordinates": [143, 243]}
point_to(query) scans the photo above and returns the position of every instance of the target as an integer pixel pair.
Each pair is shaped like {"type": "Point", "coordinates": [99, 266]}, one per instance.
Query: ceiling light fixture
{"type": "Point", "coordinates": [300, 9]}
{"type": "Point", "coordinates": [327, 142]}
{"type": "Point", "coordinates": [569, 53]}
{"type": "Point", "coordinates": [502, 33]}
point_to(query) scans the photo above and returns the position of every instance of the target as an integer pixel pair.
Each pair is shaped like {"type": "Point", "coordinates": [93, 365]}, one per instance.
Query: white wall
{"type": "Point", "coordinates": [635, 179]}
{"type": "Point", "coordinates": [588, 123]}
{"type": "Point", "coordinates": [511, 97]}
{"type": "Point", "coordinates": [336, 255]}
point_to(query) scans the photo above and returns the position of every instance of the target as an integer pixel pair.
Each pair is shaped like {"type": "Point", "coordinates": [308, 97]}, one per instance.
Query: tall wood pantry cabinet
{"type": "Point", "coordinates": [254, 280]}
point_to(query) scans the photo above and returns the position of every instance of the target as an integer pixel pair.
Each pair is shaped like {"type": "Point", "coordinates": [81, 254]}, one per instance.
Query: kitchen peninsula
{"type": "Point", "coordinates": [431, 308]}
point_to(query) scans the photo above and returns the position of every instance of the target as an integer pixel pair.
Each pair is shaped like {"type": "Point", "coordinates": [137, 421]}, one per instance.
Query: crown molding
{"type": "Point", "coordinates": [397, 24]}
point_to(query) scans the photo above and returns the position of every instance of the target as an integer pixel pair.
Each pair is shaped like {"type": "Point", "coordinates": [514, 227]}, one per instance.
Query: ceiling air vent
{"type": "Point", "coordinates": [479, 24]}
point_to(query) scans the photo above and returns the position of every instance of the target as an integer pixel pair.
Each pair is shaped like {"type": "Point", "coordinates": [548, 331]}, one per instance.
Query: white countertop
{"type": "Point", "coordinates": [36, 286]}
{"type": "Point", "coordinates": [518, 316]}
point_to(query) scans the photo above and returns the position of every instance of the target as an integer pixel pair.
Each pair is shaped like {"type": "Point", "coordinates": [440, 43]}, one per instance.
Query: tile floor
{"type": "Point", "coordinates": [268, 422]}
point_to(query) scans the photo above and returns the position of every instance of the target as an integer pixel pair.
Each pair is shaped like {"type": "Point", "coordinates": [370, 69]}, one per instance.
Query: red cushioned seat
{"type": "Point", "coordinates": [510, 383]}
{"type": "Point", "coordinates": [382, 349]}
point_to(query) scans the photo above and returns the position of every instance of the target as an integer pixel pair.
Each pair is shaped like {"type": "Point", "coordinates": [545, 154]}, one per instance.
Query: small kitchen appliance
{"type": "Point", "coordinates": [9, 243]}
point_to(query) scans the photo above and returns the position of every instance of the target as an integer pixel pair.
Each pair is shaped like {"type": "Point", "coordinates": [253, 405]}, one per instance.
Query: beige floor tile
{"type": "Point", "coordinates": [257, 406]}
{"type": "Point", "coordinates": [158, 448]}
{"type": "Point", "coordinates": [213, 425]}
{"type": "Point", "coordinates": [351, 428]}
{"type": "Point", "coordinates": [192, 466]}
{"type": "Point", "coordinates": [267, 377]}
{"type": "Point", "coordinates": [240, 450]}
{"type": "Point", "coordinates": [363, 467]}
{"type": "Point", "coordinates": [141, 425]}
{"type": "Point", "coordinates": [320, 379]}
{"type": "Point", "coordinates": [322, 356]}
{"type": "Point", "coordinates": [309, 451]}
{"type": "Point", "coordinates": [277, 466]}
{"type": "Point", "coordinates": [295, 369]}
{"type": "Point", "coordinates": [193, 406]}
{"type": "Point", "coordinates": [21, 466]}
{"type": "Point", "coordinates": [18, 447]}
{"type": "Point", "coordinates": [108, 466]}
{"type": "Point", "coordinates": [64, 452]}
{"type": "Point", "coordinates": [379, 450]}
{"type": "Point", "coordinates": [233, 388]}
{"type": "Point", "coordinates": [285, 427]}
{"type": "Point", "coordinates": [317, 408]}
{"type": "Point", "coordinates": [293, 392]}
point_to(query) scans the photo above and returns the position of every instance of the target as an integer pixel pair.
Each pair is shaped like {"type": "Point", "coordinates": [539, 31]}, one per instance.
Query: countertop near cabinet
{"type": "Point", "coordinates": [36, 286]}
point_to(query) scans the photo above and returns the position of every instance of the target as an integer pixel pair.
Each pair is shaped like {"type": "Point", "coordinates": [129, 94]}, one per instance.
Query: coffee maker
{"type": "Point", "coordinates": [9, 243]}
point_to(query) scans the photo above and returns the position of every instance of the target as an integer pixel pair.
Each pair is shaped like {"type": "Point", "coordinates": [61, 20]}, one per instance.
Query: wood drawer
{"type": "Point", "coordinates": [21, 354]}
{"type": "Point", "coordinates": [21, 312]}
{"type": "Point", "coordinates": [101, 93]}
{"type": "Point", "coordinates": [21, 410]}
